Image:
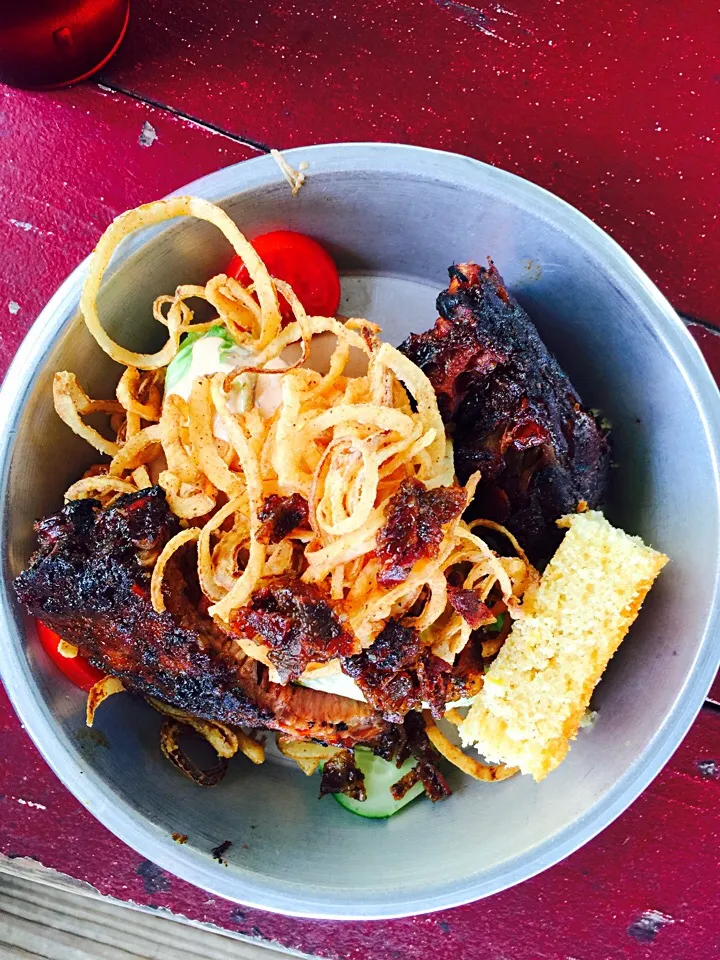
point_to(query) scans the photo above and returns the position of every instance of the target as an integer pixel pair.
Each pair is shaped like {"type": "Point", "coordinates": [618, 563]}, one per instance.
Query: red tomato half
{"type": "Point", "coordinates": [76, 669]}
{"type": "Point", "coordinates": [301, 262]}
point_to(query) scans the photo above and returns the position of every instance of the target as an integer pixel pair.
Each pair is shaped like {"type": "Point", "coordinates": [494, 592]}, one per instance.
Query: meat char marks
{"type": "Point", "coordinates": [516, 416]}
{"type": "Point", "coordinates": [89, 581]}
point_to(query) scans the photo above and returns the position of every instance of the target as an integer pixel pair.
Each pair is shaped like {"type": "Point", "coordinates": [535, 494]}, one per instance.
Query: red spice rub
{"type": "Point", "coordinates": [413, 527]}
{"type": "Point", "coordinates": [297, 622]}
{"type": "Point", "coordinates": [470, 607]}
{"type": "Point", "coordinates": [280, 516]}
{"type": "Point", "coordinates": [397, 674]}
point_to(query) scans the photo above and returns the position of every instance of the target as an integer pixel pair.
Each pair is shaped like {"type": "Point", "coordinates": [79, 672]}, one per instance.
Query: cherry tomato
{"type": "Point", "coordinates": [76, 669]}
{"type": "Point", "coordinates": [301, 262]}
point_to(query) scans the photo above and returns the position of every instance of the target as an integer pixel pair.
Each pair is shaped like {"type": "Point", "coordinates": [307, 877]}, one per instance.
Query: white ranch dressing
{"type": "Point", "coordinates": [206, 360]}
{"type": "Point", "coordinates": [344, 686]}
{"type": "Point", "coordinates": [338, 683]}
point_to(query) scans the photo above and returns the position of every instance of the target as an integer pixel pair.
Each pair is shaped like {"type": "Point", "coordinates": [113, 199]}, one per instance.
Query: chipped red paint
{"type": "Point", "coordinates": [609, 103]}
{"type": "Point", "coordinates": [645, 888]}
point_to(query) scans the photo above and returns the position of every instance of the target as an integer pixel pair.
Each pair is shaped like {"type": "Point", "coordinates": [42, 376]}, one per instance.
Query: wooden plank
{"type": "Point", "coordinates": [645, 876]}
{"type": "Point", "coordinates": [83, 146]}
{"type": "Point", "coordinates": [612, 106]}
{"type": "Point", "coordinates": [53, 921]}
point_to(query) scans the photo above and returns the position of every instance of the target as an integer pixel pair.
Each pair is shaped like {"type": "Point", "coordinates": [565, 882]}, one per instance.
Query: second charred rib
{"type": "Point", "coordinates": [516, 416]}
{"type": "Point", "coordinates": [89, 581]}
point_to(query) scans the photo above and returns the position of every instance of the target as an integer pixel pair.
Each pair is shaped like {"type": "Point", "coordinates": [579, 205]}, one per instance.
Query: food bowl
{"type": "Point", "coordinates": [394, 219]}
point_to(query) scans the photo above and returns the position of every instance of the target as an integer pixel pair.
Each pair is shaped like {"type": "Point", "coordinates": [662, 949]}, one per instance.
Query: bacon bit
{"type": "Point", "coordinates": [435, 784]}
{"type": "Point", "coordinates": [468, 672]}
{"type": "Point", "coordinates": [413, 527]}
{"type": "Point", "coordinates": [396, 674]}
{"type": "Point", "coordinates": [399, 789]}
{"type": "Point", "coordinates": [340, 775]}
{"type": "Point", "coordinates": [297, 622]}
{"type": "Point", "coordinates": [406, 740]}
{"type": "Point", "coordinates": [470, 607]}
{"type": "Point", "coordinates": [280, 516]}
{"type": "Point", "coordinates": [218, 852]}
{"type": "Point", "coordinates": [180, 837]}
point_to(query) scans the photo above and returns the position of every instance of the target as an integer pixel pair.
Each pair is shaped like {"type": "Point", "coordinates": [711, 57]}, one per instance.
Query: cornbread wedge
{"type": "Point", "coordinates": [538, 688]}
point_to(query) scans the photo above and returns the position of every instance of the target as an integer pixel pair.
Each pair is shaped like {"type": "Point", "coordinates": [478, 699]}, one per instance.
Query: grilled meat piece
{"type": "Point", "coordinates": [88, 581]}
{"type": "Point", "coordinates": [341, 775]}
{"type": "Point", "coordinates": [516, 416]}
{"type": "Point", "coordinates": [470, 607]}
{"type": "Point", "coordinates": [413, 527]}
{"type": "Point", "coordinates": [398, 674]}
{"type": "Point", "coordinates": [279, 516]}
{"type": "Point", "coordinates": [298, 623]}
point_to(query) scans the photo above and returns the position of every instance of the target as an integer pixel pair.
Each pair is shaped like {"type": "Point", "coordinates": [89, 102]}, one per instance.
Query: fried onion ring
{"type": "Point", "coordinates": [488, 772]}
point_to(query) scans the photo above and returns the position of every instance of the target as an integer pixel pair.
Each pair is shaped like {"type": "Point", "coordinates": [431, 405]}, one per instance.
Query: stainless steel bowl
{"type": "Point", "coordinates": [394, 218]}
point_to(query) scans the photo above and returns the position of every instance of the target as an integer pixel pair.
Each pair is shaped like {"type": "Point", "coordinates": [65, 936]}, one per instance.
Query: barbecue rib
{"type": "Point", "coordinates": [516, 416]}
{"type": "Point", "coordinates": [89, 581]}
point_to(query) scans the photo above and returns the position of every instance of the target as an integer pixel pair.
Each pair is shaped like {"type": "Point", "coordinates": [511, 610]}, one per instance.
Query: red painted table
{"type": "Point", "coordinates": [612, 105]}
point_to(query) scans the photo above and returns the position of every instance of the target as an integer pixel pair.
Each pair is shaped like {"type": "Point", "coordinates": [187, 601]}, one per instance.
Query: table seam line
{"type": "Point", "coordinates": [174, 111]}
{"type": "Point", "coordinates": [690, 321]}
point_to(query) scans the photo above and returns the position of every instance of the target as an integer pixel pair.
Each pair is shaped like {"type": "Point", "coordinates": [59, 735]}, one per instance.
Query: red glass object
{"type": "Point", "coordinates": [52, 43]}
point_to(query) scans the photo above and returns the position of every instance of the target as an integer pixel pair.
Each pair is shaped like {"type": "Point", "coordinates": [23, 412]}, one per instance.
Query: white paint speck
{"type": "Point", "coordinates": [30, 227]}
{"type": "Point", "coordinates": [14, 307]}
{"type": "Point", "coordinates": [648, 925]}
{"type": "Point", "coordinates": [31, 803]}
{"type": "Point", "coordinates": [148, 135]}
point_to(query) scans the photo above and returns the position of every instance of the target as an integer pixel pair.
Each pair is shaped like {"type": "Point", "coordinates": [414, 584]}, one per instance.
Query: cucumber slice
{"type": "Point", "coordinates": [379, 777]}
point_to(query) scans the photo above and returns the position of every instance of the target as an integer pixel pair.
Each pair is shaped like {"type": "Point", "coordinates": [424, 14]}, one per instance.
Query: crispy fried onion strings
{"type": "Point", "coordinates": [345, 446]}
{"type": "Point", "coordinates": [224, 740]}
{"type": "Point", "coordinates": [72, 404]}
{"type": "Point", "coordinates": [166, 554]}
{"type": "Point", "coordinates": [306, 754]}
{"type": "Point", "coordinates": [488, 772]}
{"type": "Point", "coordinates": [98, 692]}
{"type": "Point", "coordinates": [154, 213]}
{"type": "Point", "coordinates": [169, 737]}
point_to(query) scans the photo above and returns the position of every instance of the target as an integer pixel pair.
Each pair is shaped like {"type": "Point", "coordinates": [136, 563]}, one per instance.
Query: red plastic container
{"type": "Point", "coordinates": [52, 43]}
